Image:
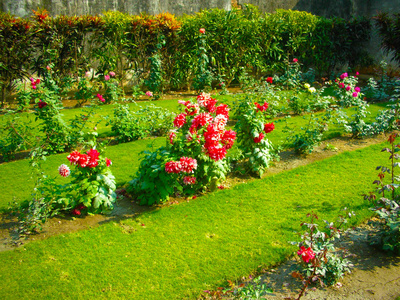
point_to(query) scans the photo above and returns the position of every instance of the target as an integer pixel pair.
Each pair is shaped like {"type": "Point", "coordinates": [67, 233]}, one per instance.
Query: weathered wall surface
{"type": "Point", "coordinates": [329, 8]}
{"type": "Point", "coordinates": [80, 7]}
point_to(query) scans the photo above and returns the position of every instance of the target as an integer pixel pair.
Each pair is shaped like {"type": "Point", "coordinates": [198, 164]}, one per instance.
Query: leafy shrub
{"type": "Point", "coordinates": [127, 126]}
{"type": "Point", "coordinates": [195, 155]}
{"type": "Point", "coordinates": [16, 135]}
{"type": "Point", "coordinates": [388, 206]}
{"type": "Point", "coordinates": [48, 106]}
{"type": "Point", "coordinates": [389, 29]}
{"type": "Point", "coordinates": [251, 127]}
{"type": "Point", "coordinates": [322, 261]}
{"type": "Point", "coordinates": [158, 120]}
{"type": "Point", "coordinates": [92, 188]}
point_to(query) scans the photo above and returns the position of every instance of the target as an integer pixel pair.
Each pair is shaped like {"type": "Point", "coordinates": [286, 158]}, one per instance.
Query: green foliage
{"type": "Point", "coordinates": [389, 29]}
{"type": "Point", "coordinates": [152, 185]}
{"type": "Point", "coordinates": [127, 126]}
{"type": "Point", "coordinates": [84, 92]}
{"type": "Point", "coordinates": [158, 120]}
{"type": "Point", "coordinates": [388, 206]}
{"type": "Point", "coordinates": [16, 135]}
{"type": "Point", "coordinates": [323, 262]}
{"type": "Point", "coordinates": [155, 81]}
{"type": "Point", "coordinates": [250, 127]}
{"type": "Point", "coordinates": [310, 136]}
{"type": "Point", "coordinates": [48, 106]}
{"type": "Point", "coordinates": [203, 76]}
{"type": "Point", "coordinates": [16, 47]}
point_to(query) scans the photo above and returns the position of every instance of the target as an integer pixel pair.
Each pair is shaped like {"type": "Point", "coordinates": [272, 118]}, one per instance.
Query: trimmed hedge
{"type": "Point", "coordinates": [237, 41]}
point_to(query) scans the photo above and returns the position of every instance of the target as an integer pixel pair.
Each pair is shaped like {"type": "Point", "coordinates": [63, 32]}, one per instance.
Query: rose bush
{"type": "Point", "coordinates": [195, 155]}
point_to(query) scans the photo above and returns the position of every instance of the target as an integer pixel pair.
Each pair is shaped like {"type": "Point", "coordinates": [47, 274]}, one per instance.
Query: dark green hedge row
{"type": "Point", "coordinates": [237, 40]}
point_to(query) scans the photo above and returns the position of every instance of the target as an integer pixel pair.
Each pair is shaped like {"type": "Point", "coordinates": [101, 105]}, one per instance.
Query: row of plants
{"type": "Point", "coordinates": [163, 52]}
{"type": "Point", "coordinates": [293, 92]}
{"type": "Point", "coordinates": [194, 159]}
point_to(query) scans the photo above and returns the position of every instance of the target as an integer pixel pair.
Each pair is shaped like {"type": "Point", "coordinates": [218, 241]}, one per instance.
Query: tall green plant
{"type": "Point", "coordinates": [16, 48]}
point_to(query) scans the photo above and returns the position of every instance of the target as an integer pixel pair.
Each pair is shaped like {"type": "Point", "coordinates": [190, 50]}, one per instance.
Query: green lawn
{"type": "Point", "coordinates": [179, 251]}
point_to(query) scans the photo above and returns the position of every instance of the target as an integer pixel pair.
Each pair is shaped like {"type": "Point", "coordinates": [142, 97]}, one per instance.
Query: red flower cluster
{"type": "Point", "coordinates": [261, 107]}
{"type": "Point", "coordinates": [34, 83]}
{"type": "Point", "coordinates": [268, 127]}
{"type": "Point", "coordinates": [101, 98]}
{"type": "Point", "coordinates": [270, 80]}
{"type": "Point", "coordinates": [259, 138]}
{"type": "Point", "coordinates": [205, 127]}
{"type": "Point", "coordinates": [222, 109]}
{"type": "Point", "coordinates": [306, 254]}
{"type": "Point", "coordinates": [185, 165]}
{"type": "Point", "coordinates": [91, 159]}
{"type": "Point", "coordinates": [41, 104]}
{"type": "Point", "coordinates": [180, 120]}
{"type": "Point", "coordinates": [172, 136]}
{"type": "Point", "coordinates": [189, 180]}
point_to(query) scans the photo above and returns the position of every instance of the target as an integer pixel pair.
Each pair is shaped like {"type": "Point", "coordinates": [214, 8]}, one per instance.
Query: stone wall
{"type": "Point", "coordinates": [24, 8]}
{"type": "Point", "coordinates": [340, 8]}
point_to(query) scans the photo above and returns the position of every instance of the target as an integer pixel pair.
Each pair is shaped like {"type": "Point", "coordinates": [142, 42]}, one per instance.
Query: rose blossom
{"type": "Point", "coordinates": [295, 60]}
{"type": "Point", "coordinates": [76, 212]}
{"type": "Point", "coordinates": [261, 107]}
{"type": "Point", "coordinates": [112, 74]}
{"type": "Point", "coordinates": [107, 77]}
{"type": "Point", "coordinates": [268, 127]}
{"type": "Point", "coordinates": [41, 104]}
{"type": "Point", "coordinates": [64, 171]}
{"type": "Point", "coordinates": [188, 164]}
{"type": "Point", "coordinates": [173, 167]}
{"type": "Point", "coordinates": [306, 254]}
{"type": "Point", "coordinates": [355, 94]}
{"type": "Point", "coordinates": [222, 109]}
{"type": "Point", "coordinates": [259, 138]}
{"type": "Point", "coordinates": [269, 79]}
{"type": "Point", "coordinates": [202, 30]}
{"type": "Point", "coordinates": [108, 162]}
{"type": "Point", "coordinates": [172, 136]}
{"type": "Point", "coordinates": [180, 120]}
{"type": "Point", "coordinates": [357, 89]}
{"type": "Point", "coordinates": [100, 97]}
{"type": "Point", "coordinates": [149, 94]}
{"type": "Point", "coordinates": [189, 180]}
{"type": "Point", "coordinates": [73, 157]}
{"type": "Point", "coordinates": [348, 88]}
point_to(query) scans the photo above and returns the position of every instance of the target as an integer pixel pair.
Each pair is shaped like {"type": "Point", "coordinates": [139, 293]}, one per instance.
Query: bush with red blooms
{"type": "Point", "coordinates": [195, 157]}
{"type": "Point", "coordinates": [92, 188]}
{"type": "Point", "coordinates": [252, 130]}
{"type": "Point", "coordinates": [323, 262]}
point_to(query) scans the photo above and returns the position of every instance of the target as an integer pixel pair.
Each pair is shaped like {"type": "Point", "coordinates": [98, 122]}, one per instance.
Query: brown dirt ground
{"type": "Point", "coordinates": [376, 275]}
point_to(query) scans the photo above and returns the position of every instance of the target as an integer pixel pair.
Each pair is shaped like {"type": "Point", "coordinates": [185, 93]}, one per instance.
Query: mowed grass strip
{"type": "Point", "coordinates": [179, 251]}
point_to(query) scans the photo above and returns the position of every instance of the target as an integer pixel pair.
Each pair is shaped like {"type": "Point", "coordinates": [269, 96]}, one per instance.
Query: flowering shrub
{"type": "Point", "coordinates": [194, 157]}
{"type": "Point", "coordinates": [349, 94]}
{"type": "Point", "coordinates": [46, 95]}
{"type": "Point", "coordinates": [112, 91]}
{"type": "Point", "coordinates": [252, 129]}
{"type": "Point", "coordinates": [203, 76]}
{"type": "Point", "coordinates": [322, 261]}
{"type": "Point", "coordinates": [388, 206]}
{"type": "Point", "coordinates": [92, 188]}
